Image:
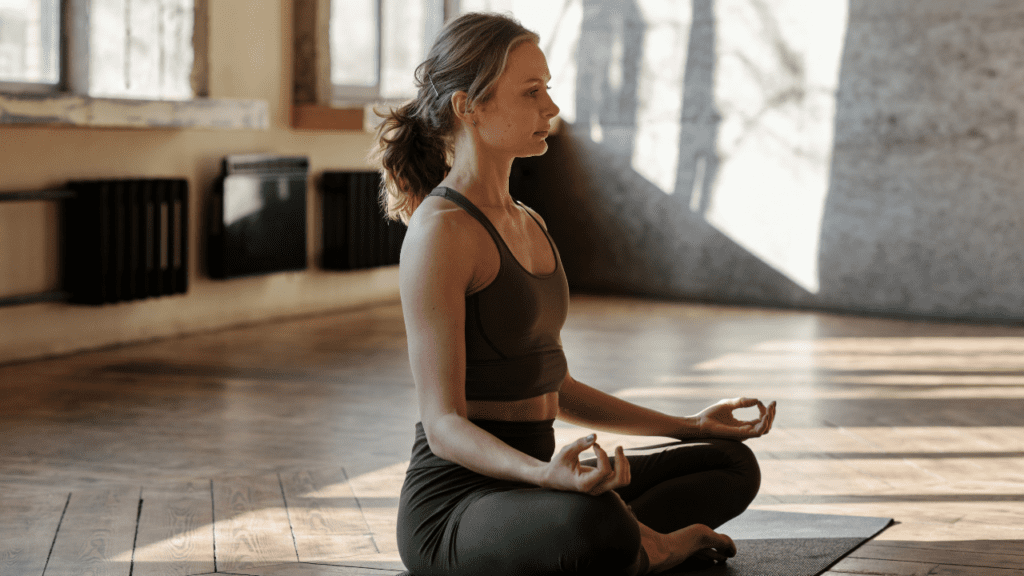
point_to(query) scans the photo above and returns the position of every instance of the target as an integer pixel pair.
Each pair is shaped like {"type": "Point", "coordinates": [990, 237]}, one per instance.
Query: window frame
{"type": "Point", "coordinates": [28, 87]}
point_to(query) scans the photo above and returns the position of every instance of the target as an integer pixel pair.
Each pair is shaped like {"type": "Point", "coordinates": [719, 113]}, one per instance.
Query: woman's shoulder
{"type": "Point", "coordinates": [437, 218]}
{"type": "Point", "coordinates": [442, 247]}
{"type": "Point", "coordinates": [439, 225]}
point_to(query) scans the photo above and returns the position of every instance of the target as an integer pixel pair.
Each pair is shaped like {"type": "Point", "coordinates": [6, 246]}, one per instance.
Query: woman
{"type": "Point", "coordinates": [484, 298]}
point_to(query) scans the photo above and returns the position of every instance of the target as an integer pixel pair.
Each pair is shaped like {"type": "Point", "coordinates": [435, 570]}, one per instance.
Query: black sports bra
{"type": "Point", "coordinates": [513, 325]}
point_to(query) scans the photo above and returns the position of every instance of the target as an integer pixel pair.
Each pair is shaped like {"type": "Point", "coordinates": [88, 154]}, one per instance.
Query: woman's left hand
{"type": "Point", "coordinates": [717, 421]}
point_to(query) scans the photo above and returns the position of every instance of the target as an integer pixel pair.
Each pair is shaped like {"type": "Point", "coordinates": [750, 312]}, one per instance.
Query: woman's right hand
{"type": "Point", "coordinates": [565, 472]}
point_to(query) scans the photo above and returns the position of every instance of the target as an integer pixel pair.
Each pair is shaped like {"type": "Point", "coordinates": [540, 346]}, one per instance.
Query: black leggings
{"type": "Point", "coordinates": [453, 521]}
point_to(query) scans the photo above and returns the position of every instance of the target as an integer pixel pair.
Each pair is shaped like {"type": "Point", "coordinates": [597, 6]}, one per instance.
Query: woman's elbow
{"type": "Point", "coordinates": [438, 433]}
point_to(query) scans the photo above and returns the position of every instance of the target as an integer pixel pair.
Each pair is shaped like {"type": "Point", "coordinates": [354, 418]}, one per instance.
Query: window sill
{"type": "Point", "coordinates": [346, 116]}
{"type": "Point", "coordinates": [73, 110]}
{"type": "Point", "coordinates": [320, 117]}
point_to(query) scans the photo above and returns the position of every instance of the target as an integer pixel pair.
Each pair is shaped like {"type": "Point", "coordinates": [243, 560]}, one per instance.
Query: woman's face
{"type": "Point", "coordinates": [517, 118]}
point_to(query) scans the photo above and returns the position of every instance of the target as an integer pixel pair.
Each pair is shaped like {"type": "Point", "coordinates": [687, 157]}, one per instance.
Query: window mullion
{"type": "Point", "coordinates": [377, 91]}
{"type": "Point", "coordinates": [75, 17]}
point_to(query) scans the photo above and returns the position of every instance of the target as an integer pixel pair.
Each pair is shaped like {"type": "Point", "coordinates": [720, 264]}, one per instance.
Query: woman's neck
{"type": "Point", "coordinates": [481, 178]}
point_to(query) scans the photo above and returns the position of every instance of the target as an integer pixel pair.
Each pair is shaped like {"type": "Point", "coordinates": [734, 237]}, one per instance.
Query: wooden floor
{"type": "Point", "coordinates": [280, 449]}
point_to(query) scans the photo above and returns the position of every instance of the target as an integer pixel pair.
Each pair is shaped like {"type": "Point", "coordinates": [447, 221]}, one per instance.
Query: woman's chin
{"type": "Point", "coordinates": [537, 150]}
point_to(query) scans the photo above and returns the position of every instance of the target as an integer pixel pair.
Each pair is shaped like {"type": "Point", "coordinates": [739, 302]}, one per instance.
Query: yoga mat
{"type": "Point", "coordinates": [771, 543]}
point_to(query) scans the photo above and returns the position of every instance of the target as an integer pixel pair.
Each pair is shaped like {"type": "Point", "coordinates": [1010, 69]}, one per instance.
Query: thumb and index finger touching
{"type": "Point", "coordinates": [573, 451]}
{"type": "Point", "coordinates": [598, 472]}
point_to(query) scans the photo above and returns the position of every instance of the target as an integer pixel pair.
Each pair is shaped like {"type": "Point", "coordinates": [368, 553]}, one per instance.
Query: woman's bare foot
{"type": "Point", "coordinates": [665, 551]}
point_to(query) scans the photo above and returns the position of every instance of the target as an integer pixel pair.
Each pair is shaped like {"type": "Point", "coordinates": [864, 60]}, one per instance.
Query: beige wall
{"type": "Point", "coordinates": [250, 53]}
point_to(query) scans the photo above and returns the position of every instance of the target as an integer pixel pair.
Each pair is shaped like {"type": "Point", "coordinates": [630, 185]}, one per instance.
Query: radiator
{"type": "Point", "coordinates": [125, 240]}
{"type": "Point", "coordinates": [257, 216]}
{"type": "Point", "coordinates": [356, 233]}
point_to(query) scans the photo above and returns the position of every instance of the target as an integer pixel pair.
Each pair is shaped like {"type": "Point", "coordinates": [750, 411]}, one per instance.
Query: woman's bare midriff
{"type": "Point", "coordinates": [544, 407]}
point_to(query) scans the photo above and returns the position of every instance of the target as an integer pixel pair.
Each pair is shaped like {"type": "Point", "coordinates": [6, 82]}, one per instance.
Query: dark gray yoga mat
{"type": "Point", "coordinates": [771, 543]}
{"type": "Point", "coordinates": [774, 543]}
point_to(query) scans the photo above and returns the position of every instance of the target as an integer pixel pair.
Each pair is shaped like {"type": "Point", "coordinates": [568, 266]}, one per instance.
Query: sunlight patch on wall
{"type": "Point", "coordinates": [660, 90]}
{"type": "Point", "coordinates": [776, 75]}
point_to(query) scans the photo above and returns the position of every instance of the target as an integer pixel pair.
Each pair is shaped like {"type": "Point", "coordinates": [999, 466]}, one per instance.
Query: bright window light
{"type": "Point", "coordinates": [29, 41]}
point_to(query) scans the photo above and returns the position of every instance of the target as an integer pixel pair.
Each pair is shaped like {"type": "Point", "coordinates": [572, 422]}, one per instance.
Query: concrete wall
{"type": "Point", "coordinates": [859, 156]}
{"type": "Point", "coordinates": [250, 57]}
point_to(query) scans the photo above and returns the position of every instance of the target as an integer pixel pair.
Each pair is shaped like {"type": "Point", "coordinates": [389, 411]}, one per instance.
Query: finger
{"type": "Point", "coordinates": [743, 402]}
{"type": "Point", "coordinates": [766, 423]}
{"type": "Point", "coordinates": [759, 428]}
{"type": "Point", "coordinates": [748, 403]}
{"type": "Point", "coordinates": [619, 477]}
{"type": "Point", "coordinates": [595, 480]}
{"type": "Point", "coordinates": [771, 417]}
{"type": "Point", "coordinates": [623, 476]}
{"type": "Point", "coordinates": [603, 462]}
{"type": "Point", "coordinates": [572, 451]}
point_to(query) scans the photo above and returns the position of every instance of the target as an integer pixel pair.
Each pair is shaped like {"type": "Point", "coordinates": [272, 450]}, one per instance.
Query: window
{"type": "Point", "coordinates": [29, 45]}
{"type": "Point", "coordinates": [125, 63]}
{"type": "Point", "coordinates": [350, 54]}
{"type": "Point", "coordinates": [377, 44]}
{"type": "Point", "coordinates": [141, 49]}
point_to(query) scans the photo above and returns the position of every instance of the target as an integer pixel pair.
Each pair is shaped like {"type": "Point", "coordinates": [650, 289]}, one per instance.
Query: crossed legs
{"type": "Point", "coordinates": [532, 531]}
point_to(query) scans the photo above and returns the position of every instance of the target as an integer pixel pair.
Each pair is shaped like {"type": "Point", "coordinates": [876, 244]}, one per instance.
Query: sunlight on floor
{"type": "Point", "coordinates": [978, 358]}
{"type": "Point", "coordinates": [942, 483]}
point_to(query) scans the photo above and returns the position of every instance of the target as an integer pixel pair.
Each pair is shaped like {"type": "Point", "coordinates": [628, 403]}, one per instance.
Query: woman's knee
{"type": "Point", "coordinates": [743, 463]}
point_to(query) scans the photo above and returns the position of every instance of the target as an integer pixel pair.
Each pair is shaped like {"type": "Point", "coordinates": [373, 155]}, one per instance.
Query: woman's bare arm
{"type": "Point", "coordinates": [591, 408]}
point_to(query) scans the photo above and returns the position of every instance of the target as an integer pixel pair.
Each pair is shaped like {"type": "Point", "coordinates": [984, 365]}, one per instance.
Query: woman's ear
{"type": "Point", "coordinates": [460, 106]}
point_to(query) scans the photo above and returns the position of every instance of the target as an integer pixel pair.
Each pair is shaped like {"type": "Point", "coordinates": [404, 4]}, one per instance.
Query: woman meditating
{"type": "Point", "coordinates": [484, 298]}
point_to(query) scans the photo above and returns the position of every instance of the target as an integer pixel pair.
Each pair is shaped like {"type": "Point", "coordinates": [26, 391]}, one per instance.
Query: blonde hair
{"type": "Point", "coordinates": [414, 144]}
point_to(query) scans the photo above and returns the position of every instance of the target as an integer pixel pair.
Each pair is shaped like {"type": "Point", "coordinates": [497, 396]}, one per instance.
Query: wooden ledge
{"type": "Point", "coordinates": [319, 117]}
{"type": "Point", "coordinates": [74, 110]}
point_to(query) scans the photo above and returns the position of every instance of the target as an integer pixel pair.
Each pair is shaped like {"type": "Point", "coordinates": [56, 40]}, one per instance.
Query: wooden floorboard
{"type": "Point", "coordinates": [326, 518]}
{"type": "Point", "coordinates": [97, 535]}
{"type": "Point", "coordinates": [280, 449]}
{"type": "Point", "coordinates": [251, 523]}
{"type": "Point", "coordinates": [28, 524]}
{"type": "Point", "coordinates": [175, 533]}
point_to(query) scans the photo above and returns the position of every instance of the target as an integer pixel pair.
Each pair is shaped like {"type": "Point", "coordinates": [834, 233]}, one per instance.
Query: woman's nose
{"type": "Point", "coordinates": [552, 109]}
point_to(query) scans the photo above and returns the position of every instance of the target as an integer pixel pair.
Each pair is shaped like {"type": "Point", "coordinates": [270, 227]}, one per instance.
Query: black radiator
{"type": "Point", "coordinates": [125, 240]}
{"type": "Point", "coordinates": [356, 233]}
{"type": "Point", "coordinates": [257, 216]}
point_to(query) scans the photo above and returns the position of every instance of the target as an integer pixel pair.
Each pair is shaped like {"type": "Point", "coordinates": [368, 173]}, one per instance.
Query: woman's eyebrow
{"type": "Point", "coordinates": [537, 80]}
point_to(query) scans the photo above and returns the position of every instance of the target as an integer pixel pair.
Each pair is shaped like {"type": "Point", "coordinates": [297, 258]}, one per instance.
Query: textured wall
{"type": "Point", "coordinates": [860, 157]}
